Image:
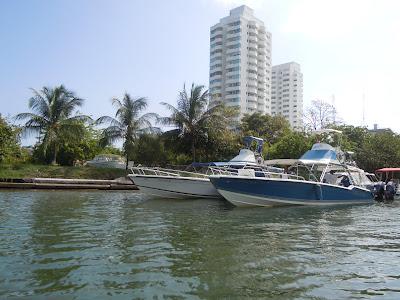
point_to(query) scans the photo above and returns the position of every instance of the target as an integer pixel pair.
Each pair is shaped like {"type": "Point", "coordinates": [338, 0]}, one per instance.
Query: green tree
{"type": "Point", "coordinates": [149, 150]}
{"type": "Point", "coordinates": [353, 136]}
{"type": "Point", "coordinates": [194, 118]}
{"type": "Point", "coordinates": [54, 117]}
{"type": "Point", "coordinates": [82, 148]}
{"type": "Point", "coordinates": [292, 145]}
{"type": "Point", "coordinates": [10, 148]}
{"type": "Point", "coordinates": [270, 128]}
{"type": "Point", "coordinates": [128, 123]}
{"type": "Point", "coordinates": [379, 150]}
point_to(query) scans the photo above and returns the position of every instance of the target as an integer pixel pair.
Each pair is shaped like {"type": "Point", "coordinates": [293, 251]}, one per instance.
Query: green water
{"type": "Point", "coordinates": [100, 245]}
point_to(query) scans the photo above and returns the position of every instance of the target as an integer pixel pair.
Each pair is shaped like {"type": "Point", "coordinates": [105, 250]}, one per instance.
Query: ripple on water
{"type": "Point", "coordinates": [122, 245]}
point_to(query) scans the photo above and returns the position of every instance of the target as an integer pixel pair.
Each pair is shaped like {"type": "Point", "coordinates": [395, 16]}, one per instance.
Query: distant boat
{"type": "Point", "coordinates": [318, 178]}
{"type": "Point", "coordinates": [107, 161]}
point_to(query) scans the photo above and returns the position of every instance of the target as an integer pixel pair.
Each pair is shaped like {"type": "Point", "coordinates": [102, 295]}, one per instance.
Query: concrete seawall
{"type": "Point", "coordinates": [122, 183]}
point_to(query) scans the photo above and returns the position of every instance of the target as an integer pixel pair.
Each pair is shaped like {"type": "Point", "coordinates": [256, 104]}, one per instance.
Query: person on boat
{"type": "Point", "coordinates": [345, 181]}
{"type": "Point", "coordinates": [390, 190]}
{"type": "Point", "coordinates": [330, 178]}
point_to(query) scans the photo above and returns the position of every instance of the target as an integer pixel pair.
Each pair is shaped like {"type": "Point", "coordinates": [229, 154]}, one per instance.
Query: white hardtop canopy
{"type": "Point", "coordinates": [245, 155]}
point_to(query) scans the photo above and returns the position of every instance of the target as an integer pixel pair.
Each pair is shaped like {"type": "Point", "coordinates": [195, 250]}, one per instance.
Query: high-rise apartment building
{"type": "Point", "coordinates": [287, 93]}
{"type": "Point", "coordinates": [240, 62]}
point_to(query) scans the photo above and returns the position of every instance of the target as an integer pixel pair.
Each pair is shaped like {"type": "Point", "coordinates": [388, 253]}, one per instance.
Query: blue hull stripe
{"type": "Point", "coordinates": [296, 191]}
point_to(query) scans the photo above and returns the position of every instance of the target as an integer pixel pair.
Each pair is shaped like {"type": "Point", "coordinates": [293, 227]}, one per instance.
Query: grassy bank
{"type": "Point", "coordinates": [32, 171]}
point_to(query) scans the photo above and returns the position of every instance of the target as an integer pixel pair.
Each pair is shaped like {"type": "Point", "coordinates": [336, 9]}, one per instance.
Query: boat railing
{"type": "Point", "coordinates": [257, 173]}
{"type": "Point", "coordinates": [142, 170]}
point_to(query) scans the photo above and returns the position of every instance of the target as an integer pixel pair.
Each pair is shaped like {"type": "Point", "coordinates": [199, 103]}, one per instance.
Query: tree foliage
{"type": "Point", "coordinates": [291, 145]}
{"type": "Point", "coordinates": [10, 149]}
{"type": "Point", "coordinates": [128, 124]}
{"type": "Point", "coordinates": [270, 128]}
{"type": "Point", "coordinates": [194, 119]}
{"type": "Point", "coordinates": [53, 117]}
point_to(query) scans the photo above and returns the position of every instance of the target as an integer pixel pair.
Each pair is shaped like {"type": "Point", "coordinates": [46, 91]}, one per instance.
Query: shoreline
{"type": "Point", "coordinates": [122, 183]}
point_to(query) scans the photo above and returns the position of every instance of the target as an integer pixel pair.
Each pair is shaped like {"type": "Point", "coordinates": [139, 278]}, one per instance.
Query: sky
{"type": "Point", "coordinates": [348, 51]}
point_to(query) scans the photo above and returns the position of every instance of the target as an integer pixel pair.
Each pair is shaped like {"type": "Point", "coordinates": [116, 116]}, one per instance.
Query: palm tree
{"type": "Point", "coordinates": [193, 117]}
{"type": "Point", "coordinates": [128, 124]}
{"type": "Point", "coordinates": [54, 117]}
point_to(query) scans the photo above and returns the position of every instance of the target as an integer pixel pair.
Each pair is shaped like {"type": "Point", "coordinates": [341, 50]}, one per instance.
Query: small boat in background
{"type": "Point", "coordinates": [389, 185]}
{"type": "Point", "coordinates": [107, 161]}
{"type": "Point", "coordinates": [318, 178]}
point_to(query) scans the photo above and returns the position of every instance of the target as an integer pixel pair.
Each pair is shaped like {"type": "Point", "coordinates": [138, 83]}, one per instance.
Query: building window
{"type": "Point", "coordinates": [234, 23]}
{"type": "Point", "coordinates": [216, 73]}
{"type": "Point", "coordinates": [215, 66]}
{"type": "Point", "coordinates": [216, 29]}
{"type": "Point", "coordinates": [234, 46]}
{"type": "Point", "coordinates": [233, 31]}
{"type": "Point", "coordinates": [236, 38]}
{"type": "Point", "coordinates": [235, 92]}
{"type": "Point", "coordinates": [235, 61]}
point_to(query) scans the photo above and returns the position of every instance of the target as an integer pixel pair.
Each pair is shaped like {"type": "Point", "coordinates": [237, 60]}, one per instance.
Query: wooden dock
{"type": "Point", "coordinates": [67, 184]}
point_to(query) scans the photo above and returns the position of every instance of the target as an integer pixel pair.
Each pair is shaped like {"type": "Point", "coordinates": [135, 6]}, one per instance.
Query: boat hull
{"type": "Point", "coordinates": [175, 187]}
{"type": "Point", "coordinates": [242, 191]}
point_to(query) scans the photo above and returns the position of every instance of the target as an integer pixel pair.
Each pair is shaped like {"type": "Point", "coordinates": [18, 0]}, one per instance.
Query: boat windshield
{"type": "Point", "coordinates": [360, 178]}
{"type": "Point", "coordinates": [319, 155]}
{"type": "Point", "coordinates": [309, 173]}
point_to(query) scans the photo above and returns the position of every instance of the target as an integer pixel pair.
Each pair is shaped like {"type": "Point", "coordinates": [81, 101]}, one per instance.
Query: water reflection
{"type": "Point", "coordinates": [119, 245]}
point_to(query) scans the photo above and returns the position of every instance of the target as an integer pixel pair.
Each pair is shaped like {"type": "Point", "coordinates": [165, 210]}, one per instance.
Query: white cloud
{"type": "Point", "coordinates": [328, 19]}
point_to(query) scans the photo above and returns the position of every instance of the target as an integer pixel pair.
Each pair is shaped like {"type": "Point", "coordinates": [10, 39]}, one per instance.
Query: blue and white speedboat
{"type": "Point", "coordinates": [320, 177]}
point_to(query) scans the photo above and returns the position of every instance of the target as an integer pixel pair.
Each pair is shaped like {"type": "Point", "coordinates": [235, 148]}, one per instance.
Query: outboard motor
{"type": "Point", "coordinates": [379, 191]}
{"type": "Point", "coordinates": [390, 190]}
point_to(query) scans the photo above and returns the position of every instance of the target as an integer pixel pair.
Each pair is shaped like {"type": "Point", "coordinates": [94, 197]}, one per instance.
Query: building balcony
{"type": "Point", "coordinates": [216, 77]}
{"type": "Point", "coordinates": [251, 105]}
{"type": "Point", "coordinates": [252, 60]}
{"type": "Point", "coordinates": [215, 69]}
{"type": "Point", "coordinates": [252, 77]}
{"type": "Point", "coordinates": [216, 47]}
{"type": "Point", "coordinates": [233, 80]}
{"type": "Point", "coordinates": [215, 90]}
{"type": "Point", "coordinates": [253, 40]}
{"type": "Point", "coordinates": [215, 85]}
{"type": "Point", "coordinates": [262, 51]}
{"type": "Point", "coordinates": [232, 43]}
{"type": "Point", "coordinates": [234, 27]}
{"type": "Point", "coordinates": [252, 90]}
{"type": "Point", "coordinates": [251, 98]}
{"type": "Point", "coordinates": [231, 88]}
{"type": "Point", "coordinates": [229, 51]}
{"type": "Point", "coordinates": [252, 68]}
{"type": "Point", "coordinates": [217, 39]}
{"type": "Point", "coordinates": [252, 30]}
{"type": "Point", "coordinates": [232, 35]}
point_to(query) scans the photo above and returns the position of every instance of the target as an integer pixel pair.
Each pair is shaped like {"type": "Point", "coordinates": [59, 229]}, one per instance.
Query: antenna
{"type": "Point", "coordinates": [334, 107]}
{"type": "Point", "coordinates": [363, 109]}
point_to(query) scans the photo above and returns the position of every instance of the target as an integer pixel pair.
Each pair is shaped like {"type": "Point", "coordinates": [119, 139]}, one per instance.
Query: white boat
{"type": "Point", "coordinates": [168, 183]}
{"type": "Point", "coordinates": [107, 161]}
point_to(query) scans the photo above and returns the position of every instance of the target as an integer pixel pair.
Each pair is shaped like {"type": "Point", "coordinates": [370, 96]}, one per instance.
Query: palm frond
{"type": "Point", "coordinates": [110, 120]}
